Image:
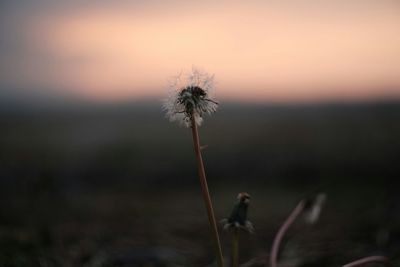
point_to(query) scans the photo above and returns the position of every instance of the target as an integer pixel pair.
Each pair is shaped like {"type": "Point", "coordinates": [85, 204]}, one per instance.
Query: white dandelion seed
{"type": "Point", "coordinates": [190, 97]}
{"type": "Point", "coordinates": [313, 208]}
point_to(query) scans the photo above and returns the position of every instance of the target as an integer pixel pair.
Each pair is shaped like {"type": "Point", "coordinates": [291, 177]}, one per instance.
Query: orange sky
{"type": "Point", "coordinates": [258, 50]}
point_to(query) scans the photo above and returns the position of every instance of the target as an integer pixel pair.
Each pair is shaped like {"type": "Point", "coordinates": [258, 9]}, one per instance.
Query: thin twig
{"type": "Point", "coordinates": [371, 259]}
{"type": "Point", "coordinates": [206, 194]}
{"type": "Point", "coordinates": [285, 226]}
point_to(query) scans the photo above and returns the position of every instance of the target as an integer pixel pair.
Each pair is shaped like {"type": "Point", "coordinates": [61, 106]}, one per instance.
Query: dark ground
{"type": "Point", "coordinates": [104, 185]}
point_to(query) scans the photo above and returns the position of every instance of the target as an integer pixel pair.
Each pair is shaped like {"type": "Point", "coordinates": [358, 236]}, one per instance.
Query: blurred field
{"type": "Point", "coordinates": [116, 185]}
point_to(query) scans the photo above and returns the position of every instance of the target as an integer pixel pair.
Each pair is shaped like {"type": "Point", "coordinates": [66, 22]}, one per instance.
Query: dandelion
{"type": "Point", "coordinates": [190, 98]}
{"type": "Point", "coordinates": [188, 103]}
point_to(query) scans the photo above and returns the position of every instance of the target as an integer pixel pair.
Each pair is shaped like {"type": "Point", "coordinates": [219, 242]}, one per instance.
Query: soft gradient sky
{"type": "Point", "coordinates": [276, 50]}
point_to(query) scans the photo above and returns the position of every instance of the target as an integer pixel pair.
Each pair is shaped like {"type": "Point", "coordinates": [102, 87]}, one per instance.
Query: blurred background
{"type": "Point", "coordinates": [92, 174]}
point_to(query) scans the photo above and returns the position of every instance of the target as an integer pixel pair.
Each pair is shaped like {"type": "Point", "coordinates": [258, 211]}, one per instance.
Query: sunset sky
{"type": "Point", "coordinates": [264, 50]}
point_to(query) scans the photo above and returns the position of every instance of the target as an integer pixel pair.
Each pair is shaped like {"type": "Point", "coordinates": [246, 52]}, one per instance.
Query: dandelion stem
{"type": "Point", "coordinates": [235, 247]}
{"type": "Point", "coordinates": [372, 259]}
{"type": "Point", "coordinates": [206, 194]}
{"type": "Point", "coordinates": [282, 231]}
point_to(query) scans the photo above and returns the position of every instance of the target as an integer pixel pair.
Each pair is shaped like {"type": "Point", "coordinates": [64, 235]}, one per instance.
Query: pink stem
{"type": "Point", "coordinates": [371, 259]}
{"type": "Point", "coordinates": [206, 195]}
{"type": "Point", "coordinates": [285, 226]}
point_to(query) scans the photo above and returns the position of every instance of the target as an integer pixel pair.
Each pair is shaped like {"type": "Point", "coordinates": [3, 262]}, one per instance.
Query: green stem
{"type": "Point", "coordinates": [206, 195]}
{"type": "Point", "coordinates": [235, 248]}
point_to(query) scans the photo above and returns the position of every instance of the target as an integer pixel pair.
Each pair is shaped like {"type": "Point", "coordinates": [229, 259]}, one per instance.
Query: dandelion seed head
{"type": "Point", "coordinates": [190, 97]}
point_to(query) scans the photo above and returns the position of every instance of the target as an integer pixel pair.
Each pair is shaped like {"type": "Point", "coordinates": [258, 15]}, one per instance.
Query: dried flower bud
{"type": "Point", "coordinates": [238, 217]}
